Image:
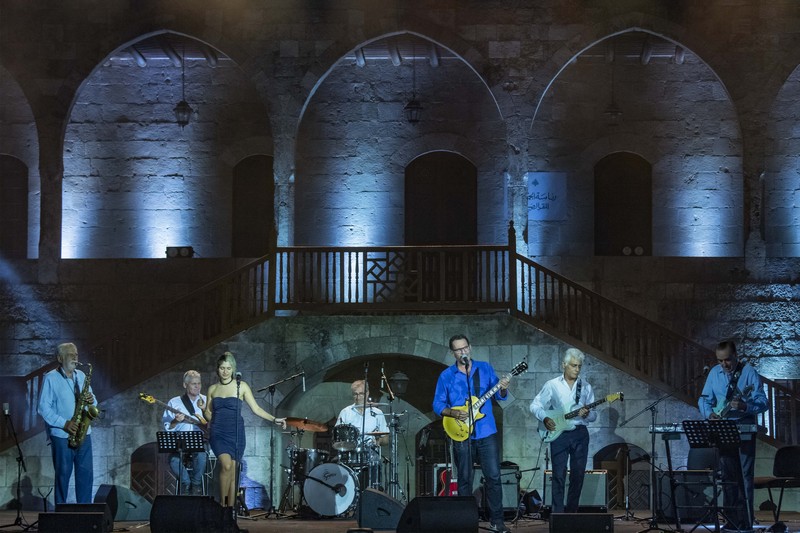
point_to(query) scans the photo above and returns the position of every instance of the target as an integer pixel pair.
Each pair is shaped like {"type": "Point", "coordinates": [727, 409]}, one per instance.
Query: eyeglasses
{"type": "Point", "coordinates": [358, 394]}
{"type": "Point", "coordinates": [463, 350]}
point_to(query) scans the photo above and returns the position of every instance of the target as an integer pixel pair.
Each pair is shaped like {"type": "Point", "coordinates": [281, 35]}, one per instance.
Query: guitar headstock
{"type": "Point", "coordinates": [147, 398]}
{"type": "Point", "coordinates": [611, 398]}
{"type": "Point", "coordinates": [521, 367]}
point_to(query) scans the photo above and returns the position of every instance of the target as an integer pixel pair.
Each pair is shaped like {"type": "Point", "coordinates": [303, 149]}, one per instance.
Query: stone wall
{"type": "Point", "coordinates": [92, 300]}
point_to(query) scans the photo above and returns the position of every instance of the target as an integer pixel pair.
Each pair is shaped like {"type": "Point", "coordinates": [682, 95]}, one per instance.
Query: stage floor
{"type": "Point", "coordinates": [338, 525]}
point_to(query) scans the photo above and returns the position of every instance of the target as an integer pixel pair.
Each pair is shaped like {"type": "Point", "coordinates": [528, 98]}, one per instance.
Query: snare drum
{"type": "Point", "coordinates": [331, 489]}
{"type": "Point", "coordinates": [304, 460]}
{"type": "Point", "coordinates": [345, 437]}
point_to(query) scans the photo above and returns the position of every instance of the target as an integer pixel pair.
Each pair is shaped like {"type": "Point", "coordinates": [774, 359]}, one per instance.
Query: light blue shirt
{"type": "Point", "coordinates": [451, 391]}
{"type": "Point", "coordinates": [57, 400]}
{"type": "Point", "coordinates": [557, 395]}
{"type": "Point", "coordinates": [716, 388]}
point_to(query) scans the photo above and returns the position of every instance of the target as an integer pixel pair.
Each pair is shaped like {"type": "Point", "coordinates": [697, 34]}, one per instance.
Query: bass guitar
{"type": "Point", "coordinates": [723, 408]}
{"type": "Point", "coordinates": [195, 419]}
{"type": "Point", "coordinates": [563, 421]}
{"type": "Point", "coordinates": [460, 430]}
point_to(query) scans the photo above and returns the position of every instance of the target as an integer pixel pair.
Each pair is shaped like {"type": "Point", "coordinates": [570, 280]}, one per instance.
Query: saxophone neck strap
{"type": "Point", "coordinates": [74, 380]}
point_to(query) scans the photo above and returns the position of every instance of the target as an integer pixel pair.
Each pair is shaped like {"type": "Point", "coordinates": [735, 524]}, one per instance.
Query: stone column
{"type": "Point", "coordinates": [51, 171]}
{"type": "Point", "coordinates": [284, 119]}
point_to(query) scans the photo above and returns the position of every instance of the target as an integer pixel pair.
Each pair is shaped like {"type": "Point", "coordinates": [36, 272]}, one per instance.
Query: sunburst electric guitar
{"type": "Point", "coordinates": [563, 420]}
{"type": "Point", "coordinates": [723, 408]}
{"type": "Point", "coordinates": [460, 430]}
{"type": "Point", "coordinates": [196, 419]}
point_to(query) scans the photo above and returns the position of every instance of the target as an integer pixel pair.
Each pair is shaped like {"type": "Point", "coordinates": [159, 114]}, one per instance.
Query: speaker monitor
{"type": "Point", "coordinates": [428, 514]}
{"type": "Point", "coordinates": [693, 495]}
{"type": "Point", "coordinates": [581, 523]}
{"type": "Point", "coordinates": [594, 492]}
{"type": "Point", "coordinates": [75, 522]}
{"type": "Point", "coordinates": [125, 504]}
{"type": "Point", "coordinates": [186, 514]}
{"type": "Point", "coordinates": [101, 508]}
{"type": "Point", "coordinates": [379, 510]}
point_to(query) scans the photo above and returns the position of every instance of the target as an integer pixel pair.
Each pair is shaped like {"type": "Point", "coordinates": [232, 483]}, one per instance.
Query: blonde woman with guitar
{"type": "Point", "coordinates": [463, 397]}
{"type": "Point", "coordinates": [563, 395]}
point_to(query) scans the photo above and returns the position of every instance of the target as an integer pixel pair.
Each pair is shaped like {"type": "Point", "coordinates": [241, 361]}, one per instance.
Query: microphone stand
{"type": "Point", "coordinates": [20, 467]}
{"type": "Point", "coordinates": [653, 521]}
{"type": "Point", "coordinates": [271, 388]}
{"type": "Point", "coordinates": [471, 466]}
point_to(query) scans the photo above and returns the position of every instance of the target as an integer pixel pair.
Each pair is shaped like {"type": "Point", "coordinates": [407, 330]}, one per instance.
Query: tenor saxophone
{"type": "Point", "coordinates": [83, 415]}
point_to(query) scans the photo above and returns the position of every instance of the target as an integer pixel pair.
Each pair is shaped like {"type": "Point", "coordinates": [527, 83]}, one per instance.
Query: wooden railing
{"type": "Point", "coordinates": [431, 279]}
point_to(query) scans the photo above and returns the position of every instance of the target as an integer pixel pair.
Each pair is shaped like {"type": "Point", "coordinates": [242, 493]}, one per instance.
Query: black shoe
{"type": "Point", "coordinates": [500, 527]}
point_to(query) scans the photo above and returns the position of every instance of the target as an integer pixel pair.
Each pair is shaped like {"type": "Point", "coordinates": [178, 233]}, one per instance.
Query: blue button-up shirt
{"type": "Point", "coordinates": [716, 388]}
{"type": "Point", "coordinates": [451, 391]}
{"type": "Point", "coordinates": [57, 400]}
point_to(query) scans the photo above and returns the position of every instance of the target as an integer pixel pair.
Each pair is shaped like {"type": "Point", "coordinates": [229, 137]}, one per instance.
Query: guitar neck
{"type": "Point", "coordinates": [483, 399]}
{"type": "Point", "coordinates": [190, 419]}
{"type": "Point", "coordinates": [574, 413]}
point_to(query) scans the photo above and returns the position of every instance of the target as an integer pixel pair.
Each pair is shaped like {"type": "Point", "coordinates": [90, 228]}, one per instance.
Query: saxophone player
{"type": "Point", "coordinates": [66, 393]}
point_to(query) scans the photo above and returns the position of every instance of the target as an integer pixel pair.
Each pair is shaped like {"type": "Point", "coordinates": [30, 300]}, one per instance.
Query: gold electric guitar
{"type": "Point", "coordinates": [195, 419]}
{"type": "Point", "coordinates": [460, 430]}
{"type": "Point", "coordinates": [564, 421]}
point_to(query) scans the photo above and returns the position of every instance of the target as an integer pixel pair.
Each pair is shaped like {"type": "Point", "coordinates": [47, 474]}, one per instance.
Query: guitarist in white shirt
{"type": "Point", "coordinates": [482, 444]}
{"type": "Point", "coordinates": [180, 422]}
{"type": "Point", "coordinates": [734, 389]}
{"type": "Point", "coordinates": [566, 393]}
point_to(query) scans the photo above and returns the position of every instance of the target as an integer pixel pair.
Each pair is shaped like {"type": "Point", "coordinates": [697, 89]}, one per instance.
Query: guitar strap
{"type": "Point", "coordinates": [578, 392]}
{"type": "Point", "coordinates": [476, 383]}
{"type": "Point", "coordinates": [187, 403]}
{"type": "Point", "coordinates": [733, 382]}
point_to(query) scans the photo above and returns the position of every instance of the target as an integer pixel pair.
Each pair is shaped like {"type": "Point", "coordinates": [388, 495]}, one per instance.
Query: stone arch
{"type": "Point", "coordinates": [632, 22]}
{"type": "Point", "coordinates": [420, 28]}
{"type": "Point", "coordinates": [196, 210]}
{"type": "Point", "coordinates": [712, 179]}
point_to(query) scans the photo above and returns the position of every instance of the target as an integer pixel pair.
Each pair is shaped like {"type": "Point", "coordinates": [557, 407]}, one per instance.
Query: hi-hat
{"type": "Point", "coordinates": [305, 424]}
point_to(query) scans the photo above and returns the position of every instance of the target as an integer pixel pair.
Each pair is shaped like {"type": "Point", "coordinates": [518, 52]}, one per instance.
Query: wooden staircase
{"type": "Point", "coordinates": [396, 280]}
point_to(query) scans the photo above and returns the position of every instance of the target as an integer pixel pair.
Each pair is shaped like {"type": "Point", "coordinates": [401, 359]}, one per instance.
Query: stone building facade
{"type": "Point", "coordinates": [101, 179]}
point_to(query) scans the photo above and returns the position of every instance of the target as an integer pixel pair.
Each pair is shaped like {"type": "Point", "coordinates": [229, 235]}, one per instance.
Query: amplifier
{"type": "Point", "coordinates": [594, 493]}
{"type": "Point", "coordinates": [508, 480]}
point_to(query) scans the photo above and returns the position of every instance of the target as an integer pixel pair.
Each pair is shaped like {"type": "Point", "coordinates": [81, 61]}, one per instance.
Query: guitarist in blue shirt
{"type": "Point", "coordinates": [564, 394]}
{"type": "Point", "coordinates": [451, 393]}
{"type": "Point", "coordinates": [733, 389]}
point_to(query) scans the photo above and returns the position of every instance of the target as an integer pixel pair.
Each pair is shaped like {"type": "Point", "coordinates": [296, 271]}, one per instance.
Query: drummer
{"type": "Point", "coordinates": [374, 423]}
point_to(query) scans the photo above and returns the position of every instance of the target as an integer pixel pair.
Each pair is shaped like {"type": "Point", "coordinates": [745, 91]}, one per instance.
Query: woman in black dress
{"type": "Point", "coordinates": [226, 426]}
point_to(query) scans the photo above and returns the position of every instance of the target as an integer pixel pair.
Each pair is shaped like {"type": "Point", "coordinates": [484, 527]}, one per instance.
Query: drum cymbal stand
{"type": "Point", "coordinates": [394, 488]}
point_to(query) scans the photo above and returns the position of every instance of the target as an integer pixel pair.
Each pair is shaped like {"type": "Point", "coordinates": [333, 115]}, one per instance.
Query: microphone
{"type": "Point", "coordinates": [383, 378]}
{"type": "Point", "coordinates": [464, 360]}
{"type": "Point", "coordinates": [5, 409]}
{"type": "Point", "coordinates": [706, 369]}
{"type": "Point", "coordinates": [304, 381]}
{"type": "Point", "coordinates": [238, 377]}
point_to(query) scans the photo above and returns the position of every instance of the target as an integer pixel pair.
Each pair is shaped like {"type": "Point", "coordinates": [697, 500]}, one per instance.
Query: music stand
{"type": "Point", "coordinates": [180, 442]}
{"type": "Point", "coordinates": [724, 435]}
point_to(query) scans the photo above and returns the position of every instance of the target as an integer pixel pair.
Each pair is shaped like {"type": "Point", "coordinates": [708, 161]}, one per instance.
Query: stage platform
{"type": "Point", "coordinates": [340, 525]}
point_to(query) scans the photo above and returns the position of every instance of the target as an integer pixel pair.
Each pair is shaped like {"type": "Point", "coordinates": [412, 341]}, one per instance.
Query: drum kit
{"type": "Point", "coordinates": [330, 482]}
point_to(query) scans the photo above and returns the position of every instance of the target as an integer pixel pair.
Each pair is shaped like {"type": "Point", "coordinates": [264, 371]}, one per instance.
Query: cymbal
{"type": "Point", "coordinates": [305, 424]}
{"type": "Point", "coordinates": [376, 404]}
{"type": "Point", "coordinates": [377, 433]}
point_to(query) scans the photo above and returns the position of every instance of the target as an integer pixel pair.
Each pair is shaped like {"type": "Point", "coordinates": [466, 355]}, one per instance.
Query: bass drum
{"type": "Point", "coordinates": [331, 489]}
